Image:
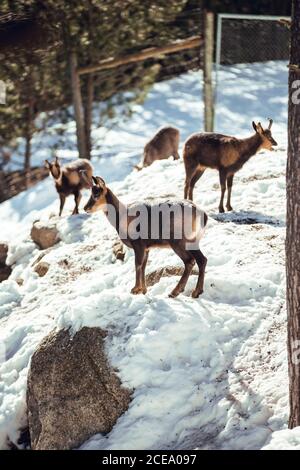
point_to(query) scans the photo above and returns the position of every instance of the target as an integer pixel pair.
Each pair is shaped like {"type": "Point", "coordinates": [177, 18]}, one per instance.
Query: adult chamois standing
{"type": "Point", "coordinates": [224, 153]}
{"type": "Point", "coordinates": [162, 145]}
{"type": "Point", "coordinates": [188, 223]}
{"type": "Point", "coordinates": [69, 180]}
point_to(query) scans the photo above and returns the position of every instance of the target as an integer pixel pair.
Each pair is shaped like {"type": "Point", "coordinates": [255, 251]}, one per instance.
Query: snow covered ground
{"type": "Point", "coordinates": [207, 373]}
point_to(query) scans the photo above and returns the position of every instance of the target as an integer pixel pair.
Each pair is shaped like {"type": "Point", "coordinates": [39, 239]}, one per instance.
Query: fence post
{"type": "Point", "coordinates": [207, 71]}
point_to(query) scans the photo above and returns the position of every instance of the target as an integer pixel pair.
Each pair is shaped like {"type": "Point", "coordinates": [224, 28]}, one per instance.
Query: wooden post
{"type": "Point", "coordinates": [207, 71]}
{"type": "Point", "coordinates": [78, 107]}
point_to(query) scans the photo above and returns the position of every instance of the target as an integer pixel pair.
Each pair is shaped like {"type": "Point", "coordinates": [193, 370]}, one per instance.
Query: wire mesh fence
{"type": "Point", "coordinates": [247, 39]}
{"type": "Point", "coordinates": [252, 54]}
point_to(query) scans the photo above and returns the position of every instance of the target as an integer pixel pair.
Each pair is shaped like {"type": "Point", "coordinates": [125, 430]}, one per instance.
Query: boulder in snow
{"type": "Point", "coordinates": [3, 252]}
{"type": "Point", "coordinates": [72, 392]}
{"type": "Point", "coordinates": [42, 268]}
{"type": "Point", "coordinates": [44, 234]}
{"type": "Point", "coordinates": [5, 271]}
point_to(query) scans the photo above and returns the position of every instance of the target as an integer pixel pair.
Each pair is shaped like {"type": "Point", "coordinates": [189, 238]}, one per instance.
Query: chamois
{"type": "Point", "coordinates": [183, 215]}
{"type": "Point", "coordinates": [224, 153]}
{"type": "Point", "coordinates": [69, 180]}
{"type": "Point", "coordinates": [163, 144]}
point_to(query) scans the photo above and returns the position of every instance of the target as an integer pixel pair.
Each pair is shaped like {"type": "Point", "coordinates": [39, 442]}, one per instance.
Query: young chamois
{"type": "Point", "coordinates": [184, 218]}
{"type": "Point", "coordinates": [69, 180]}
{"type": "Point", "coordinates": [163, 144]}
{"type": "Point", "coordinates": [224, 153]}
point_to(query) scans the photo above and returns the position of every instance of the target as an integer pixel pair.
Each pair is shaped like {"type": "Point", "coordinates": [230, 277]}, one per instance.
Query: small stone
{"type": "Point", "coordinates": [42, 268]}
{"type": "Point", "coordinates": [118, 250]}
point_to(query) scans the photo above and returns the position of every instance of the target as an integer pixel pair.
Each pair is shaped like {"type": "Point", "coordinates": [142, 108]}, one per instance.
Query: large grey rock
{"type": "Point", "coordinates": [44, 234]}
{"type": "Point", "coordinates": [72, 391]}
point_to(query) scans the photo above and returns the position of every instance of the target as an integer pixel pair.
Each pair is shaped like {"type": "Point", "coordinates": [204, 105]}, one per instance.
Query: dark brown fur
{"type": "Point", "coordinates": [69, 180]}
{"type": "Point", "coordinates": [102, 196]}
{"type": "Point", "coordinates": [224, 153]}
{"type": "Point", "coordinates": [163, 144]}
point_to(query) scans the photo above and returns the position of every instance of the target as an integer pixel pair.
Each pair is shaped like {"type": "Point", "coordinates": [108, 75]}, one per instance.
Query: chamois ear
{"type": "Point", "coordinates": [47, 164]}
{"type": "Point", "coordinates": [56, 160]}
{"type": "Point", "coordinates": [85, 177]}
{"type": "Point", "coordinates": [270, 123]}
{"type": "Point", "coordinates": [99, 181]}
{"type": "Point", "coordinates": [254, 126]}
{"type": "Point", "coordinates": [259, 128]}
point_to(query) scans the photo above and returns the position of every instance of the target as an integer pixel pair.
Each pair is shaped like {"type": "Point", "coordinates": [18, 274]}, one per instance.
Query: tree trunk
{"type": "Point", "coordinates": [88, 109]}
{"type": "Point", "coordinates": [293, 223]}
{"type": "Point", "coordinates": [28, 135]}
{"type": "Point", "coordinates": [27, 152]}
{"type": "Point", "coordinates": [78, 107]}
{"type": "Point", "coordinates": [3, 186]}
{"type": "Point", "coordinates": [207, 71]}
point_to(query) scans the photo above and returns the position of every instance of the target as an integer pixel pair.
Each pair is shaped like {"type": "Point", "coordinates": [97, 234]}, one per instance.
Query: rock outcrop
{"type": "Point", "coordinates": [72, 392]}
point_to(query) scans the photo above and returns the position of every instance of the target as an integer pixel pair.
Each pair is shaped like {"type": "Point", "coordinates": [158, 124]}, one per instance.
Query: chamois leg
{"type": "Point", "coordinates": [144, 263]}
{"type": "Point", "coordinates": [222, 175]}
{"type": "Point", "coordinates": [201, 261]}
{"type": "Point", "coordinates": [229, 188]}
{"type": "Point", "coordinates": [77, 198]}
{"type": "Point", "coordinates": [141, 256]}
{"type": "Point", "coordinates": [176, 155]}
{"type": "Point", "coordinates": [194, 180]}
{"type": "Point", "coordinates": [189, 262]}
{"type": "Point", "coordinates": [62, 203]}
{"type": "Point", "coordinates": [186, 187]}
{"type": "Point", "coordinates": [190, 170]}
